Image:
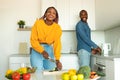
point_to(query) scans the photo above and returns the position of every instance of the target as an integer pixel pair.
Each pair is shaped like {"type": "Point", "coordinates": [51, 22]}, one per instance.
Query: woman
{"type": "Point", "coordinates": [45, 41]}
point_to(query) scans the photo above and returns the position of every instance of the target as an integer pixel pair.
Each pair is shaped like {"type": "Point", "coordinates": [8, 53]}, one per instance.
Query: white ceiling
{"type": "Point", "coordinates": [107, 14]}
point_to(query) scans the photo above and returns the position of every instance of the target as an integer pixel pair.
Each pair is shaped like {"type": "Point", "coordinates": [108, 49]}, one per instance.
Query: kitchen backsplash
{"type": "Point", "coordinates": [69, 42]}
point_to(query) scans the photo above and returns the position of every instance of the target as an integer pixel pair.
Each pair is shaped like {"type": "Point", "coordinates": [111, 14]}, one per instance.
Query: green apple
{"type": "Point", "coordinates": [65, 76]}
{"type": "Point", "coordinates": [73, 77]}
{"type": "Point", "coordinates": [80, 76]}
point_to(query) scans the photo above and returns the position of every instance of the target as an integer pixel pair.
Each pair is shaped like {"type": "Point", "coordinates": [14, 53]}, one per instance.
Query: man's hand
{"type": "Point", "coordinates": [59, 65]}
{"type": "Point", "coordinates": [99, 49]}
{"type": "Point", "coordinates": [45, 54]}
{"type": "Point", "coordinates": [94, 51]}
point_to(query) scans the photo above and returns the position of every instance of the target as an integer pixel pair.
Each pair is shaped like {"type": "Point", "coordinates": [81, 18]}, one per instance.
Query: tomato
{"type": "Point", "coordinates": [26, 76]}
{"type": "Point", "coordinates": [16, 76]}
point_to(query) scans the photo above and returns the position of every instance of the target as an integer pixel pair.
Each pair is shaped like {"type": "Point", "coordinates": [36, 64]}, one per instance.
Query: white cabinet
{"type": "Point", "coordinates": [45, 4]}
{"type": "Point", "coordinates": [68, 61]}
{"type": "Point", "coordinates": [89, 5]}
{"type": "Point", "coordinates": [69, 11]}
{"type": "Point", "coordinates": [16, 61]}
{"type": "Point", "coordinates": [116, 68]}
{"type": "Point", "coordinates": [110, 70]}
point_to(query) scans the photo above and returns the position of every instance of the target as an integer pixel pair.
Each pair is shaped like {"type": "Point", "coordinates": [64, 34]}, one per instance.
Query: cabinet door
{"type": "Point", "coordinates": [75, 6]}
{"type": "Point", "coordinates": [89, 5]}
{"type": "Point", "coordinates": [15, 66]}
{"type": "Point", "coordinates": [69, 61]}
{"type": "Point", "coordinates": [116, 68]}
{"type": "Point", "coordinates": [110, 70]}
{"type": "Point", "coordinates": [69, 11]}
{"type": "Point", "coordinates": [17, 62]}
{"type": "Point", "coordinates": [63, 10]}
{"type": "Point", "coordinates": [45, 4]}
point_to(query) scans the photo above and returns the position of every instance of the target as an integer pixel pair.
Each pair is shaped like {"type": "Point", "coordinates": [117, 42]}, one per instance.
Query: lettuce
{"type": "Point", "coordinates": [85, 70]}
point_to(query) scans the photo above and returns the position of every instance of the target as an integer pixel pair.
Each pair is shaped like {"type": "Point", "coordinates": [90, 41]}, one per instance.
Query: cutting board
{"type": "Point", "coordinates": [46, 72]}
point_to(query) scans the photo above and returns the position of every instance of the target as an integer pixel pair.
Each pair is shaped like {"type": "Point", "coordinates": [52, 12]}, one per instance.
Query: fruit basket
{"type": "Point", "coordinates": [23, 73]}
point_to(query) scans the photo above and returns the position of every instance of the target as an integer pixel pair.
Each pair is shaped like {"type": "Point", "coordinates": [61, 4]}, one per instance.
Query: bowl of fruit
{"type": "Point", "coordinates": [21, 73]}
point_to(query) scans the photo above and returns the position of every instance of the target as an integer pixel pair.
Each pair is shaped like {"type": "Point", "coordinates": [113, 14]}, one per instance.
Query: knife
{"type": "Point", "coordinates": [50, 59]}
{"type": "Point", "coordinates": [56, 69]}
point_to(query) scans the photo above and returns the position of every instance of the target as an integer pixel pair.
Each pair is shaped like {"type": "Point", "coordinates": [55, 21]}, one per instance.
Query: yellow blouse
{"type": "Point", "coordinates": [42, 33]}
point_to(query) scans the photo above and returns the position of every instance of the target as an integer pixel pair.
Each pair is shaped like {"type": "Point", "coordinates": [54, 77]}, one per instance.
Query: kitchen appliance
{"type": "Point", "coordinates": [106, 47]}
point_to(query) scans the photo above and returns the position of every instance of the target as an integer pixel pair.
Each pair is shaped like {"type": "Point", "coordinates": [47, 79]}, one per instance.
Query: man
{"type": "Point", "coordinates": [85, 46]}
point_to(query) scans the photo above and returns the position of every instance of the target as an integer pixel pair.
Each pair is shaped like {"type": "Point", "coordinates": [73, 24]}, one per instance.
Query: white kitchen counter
{"type": "Point", "coordinates": [109, 57]}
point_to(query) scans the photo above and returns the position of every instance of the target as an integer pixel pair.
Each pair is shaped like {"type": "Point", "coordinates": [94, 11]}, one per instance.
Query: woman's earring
{"type": "Point", "coordinates": [45, 18]}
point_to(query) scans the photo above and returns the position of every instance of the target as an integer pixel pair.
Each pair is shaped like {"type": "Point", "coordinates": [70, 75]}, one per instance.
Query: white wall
{"type": "Point", "coordinates": [69, 40]}
{"type": "Point", "coordinates": [113, 36]}
{"type": "Point", "coordinates": [10, 12]}
{"type": "Point", "coordinates": [28, 10]}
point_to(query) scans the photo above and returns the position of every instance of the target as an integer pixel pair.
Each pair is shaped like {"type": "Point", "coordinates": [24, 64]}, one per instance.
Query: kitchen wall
{"type": "Point", "coordinates": [113, 36]}
{"type": "Point", "coordinates": [28, 10]}
{"type": "Point", "coordinates": [10, 12]}
{"type": "Point", "coordinates": [69, 40]}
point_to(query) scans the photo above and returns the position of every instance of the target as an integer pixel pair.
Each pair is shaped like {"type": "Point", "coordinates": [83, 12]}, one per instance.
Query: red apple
{"type": "Point", "coordinates": [16, 76]}
{"type": "Point", "coordinates": [26, 76]}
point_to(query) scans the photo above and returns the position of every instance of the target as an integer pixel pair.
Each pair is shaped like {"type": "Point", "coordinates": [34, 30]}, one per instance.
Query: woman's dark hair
{"type": "Point", "coordinates": [57, 16]}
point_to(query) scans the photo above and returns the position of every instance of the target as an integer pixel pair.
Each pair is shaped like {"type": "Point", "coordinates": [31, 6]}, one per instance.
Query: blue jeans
{"type": "Point", "coordinates": [37, 59]}
{"type": "Point", "coordinates": [84, 57]}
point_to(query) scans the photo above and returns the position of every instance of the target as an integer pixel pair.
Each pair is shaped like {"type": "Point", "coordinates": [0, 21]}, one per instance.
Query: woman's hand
{"type": "Point", "coordinates": [59, 65]}
{"type": "Point", "coordinates": [45, 54]}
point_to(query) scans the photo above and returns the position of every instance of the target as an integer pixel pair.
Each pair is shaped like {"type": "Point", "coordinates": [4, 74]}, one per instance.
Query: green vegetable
{"type": "Point", "coordinates": [100, 73]}
{"type": "Point", "coordinates": [31, 69]}
{"type": "Point", "coordinates": [85, 70]}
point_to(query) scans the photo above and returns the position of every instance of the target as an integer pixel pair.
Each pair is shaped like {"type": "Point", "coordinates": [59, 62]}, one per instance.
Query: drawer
{"type": "Point", "coordinates": [19, 60]}
{"type": "Point", "coordinates": [15, 66]}
{"type": "Point", "coordinates": [100, 61]}
{"type": "Point", "coordinates": [69, 61]}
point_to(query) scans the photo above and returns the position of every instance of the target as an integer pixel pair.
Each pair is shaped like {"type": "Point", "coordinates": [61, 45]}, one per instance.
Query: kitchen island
{"type": "Point", "coordinates": [46, 75]}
